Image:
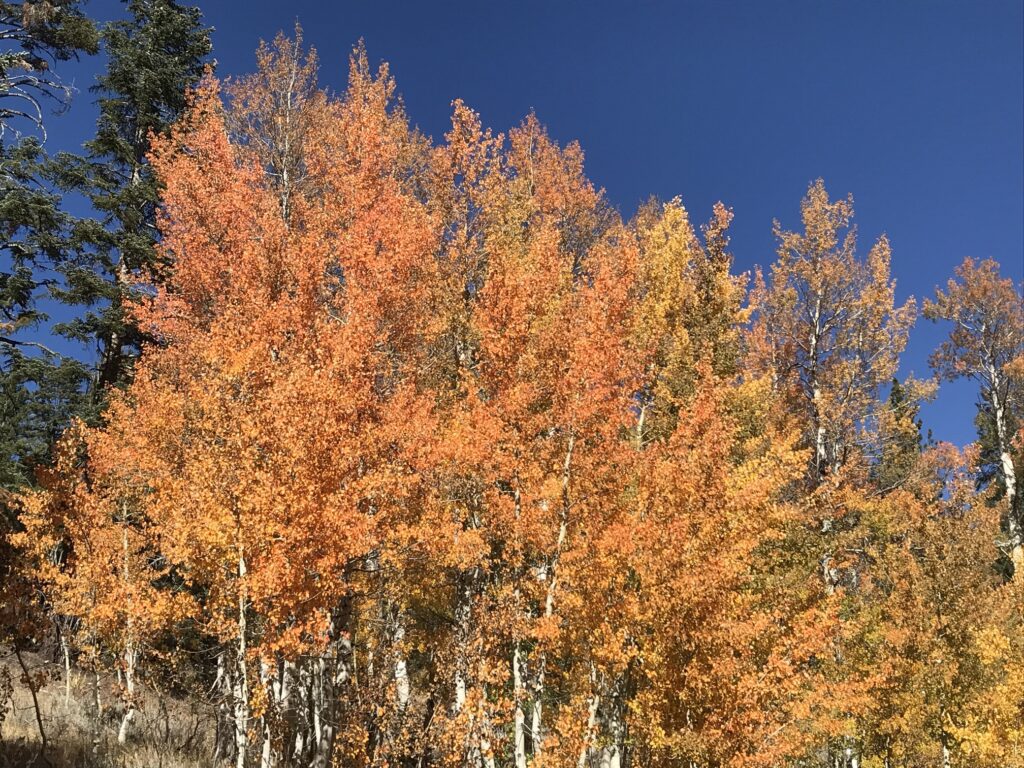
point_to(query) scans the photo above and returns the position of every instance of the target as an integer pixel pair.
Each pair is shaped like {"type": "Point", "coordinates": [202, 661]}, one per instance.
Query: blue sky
{"type": "Point", "coordinates": [916, 107]}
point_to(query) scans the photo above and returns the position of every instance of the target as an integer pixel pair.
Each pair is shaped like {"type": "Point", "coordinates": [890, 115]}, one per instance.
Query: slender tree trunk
{"type": "Point", "coordinates": [130, 648]}
{"type": "Point", "coordinates": [131, 654]}
{"type": "Point", "coordinates": [401, 667]}
{"type": "Point", "coordinates": [223, 748]}
{"type": "Point", "coordinates": [818, 420]}
{"type": "Point", "coordinates": [65, 650]}
{"type": "Point", "coordinates": [267, 757]}
{"type": "Point", "coordinates": [241, 692]}
{"type": "Point", "coordinates": [303, 713]}
{"type": "Point", "coordinates": [97, 720]}
{"type": "Point", "coordinates": [611, 753]}
{"type": "Point", "coordinates": [322, 736]}
{"type": "Point", "coordinates": [519, 716]}
{"type": "Point", "coordinates": [852, 755]}
{"type": "Point", "coordinates": [1009, 473]}
{"type": "Point", "coordinates": [463, 611]}
{"type": "Point", "coordinates": [31, 685]}
{"type": "Point", "coordinates": [330, 675]}
{"type": "Point", "coordinates": [592, 706]}
{"type": "Point", "coordinates": [486, 729]}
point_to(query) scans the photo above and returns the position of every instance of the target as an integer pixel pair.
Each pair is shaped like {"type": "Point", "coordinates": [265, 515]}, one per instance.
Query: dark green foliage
{"type": "Point", "coordinates": [32, 33]}
{"type": "Point", "coordinates": [155, 56]}
{"type": "Point", "coordinates": [900, 437]}
{"type": "Point", "coordinates": [39, 396]}
{"type": "Point", "coordinates": [39, 390]}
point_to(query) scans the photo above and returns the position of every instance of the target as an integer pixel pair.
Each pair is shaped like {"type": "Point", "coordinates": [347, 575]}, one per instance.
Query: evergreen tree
{"type": "Point", "coordinates": [32, 33]}
{"type": "Point", "coordinates": [899, 437]}
{"type": "Point", "coordinates": [38, 388]}
{"type": "Point", "coordinates": [155, 57]}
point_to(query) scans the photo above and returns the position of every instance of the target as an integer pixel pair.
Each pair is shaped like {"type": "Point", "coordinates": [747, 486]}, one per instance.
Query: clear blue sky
{"type": "Point", "coordinates": [916, 107]}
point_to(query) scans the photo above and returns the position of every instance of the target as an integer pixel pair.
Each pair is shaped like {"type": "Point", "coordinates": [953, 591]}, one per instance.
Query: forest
{"type": "Point", "coordinates": [404, 452]}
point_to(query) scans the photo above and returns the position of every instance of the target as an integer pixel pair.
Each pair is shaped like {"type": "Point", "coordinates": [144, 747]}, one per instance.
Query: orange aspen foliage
{"type": "Point", "coordinates": [96, 556]}
{"type": "Point", "coordinates": [933, 643]}
{"type": "Point", "coordinates": [687, 309]}
{"type": "Point", "coordinates": [447, 465]}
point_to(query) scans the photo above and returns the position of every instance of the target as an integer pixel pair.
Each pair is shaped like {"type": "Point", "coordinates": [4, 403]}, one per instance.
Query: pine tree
{"type": "Point", "coordinates": [38, 386]}
{"type": "Point", "coordinates": [155, 57]}
{"type": "Point", "coordinates": [32, 33]}
{"type": "Point", "coordinates": [899, 437]}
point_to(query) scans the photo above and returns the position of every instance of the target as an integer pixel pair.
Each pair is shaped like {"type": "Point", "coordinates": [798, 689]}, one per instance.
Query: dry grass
{"type": "Point", "coordinates": [166, 733]}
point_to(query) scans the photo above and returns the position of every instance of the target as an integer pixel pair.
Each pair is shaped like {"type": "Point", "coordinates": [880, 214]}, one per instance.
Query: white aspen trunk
{"type": "Point", "coordinates": [304, 710]}
{"type": "Point", "coordinates": [519, 716]}
{"type": "Point", "coordinates": [130, 660]}
{"type": "Point", "coordinates": [267, 757]}
{"type": "Point", "coordinates": [640, 427]}
{"type": "Point", "coordinates": [97, 722]}
{"type": "Point", "coordinates": [223, 685]}
{"type": "Point", "coordinates": [241, 692]}
{"type": "Point", "coordinates": [130, 649]}
{"type": "Point", "coordinates": [462, 618]}
{"type": "Point", "coordinates": [1009, 473]}
{"type": "Point", "coordinates": [486, 749]}
{"type": "Point", "coordinates": [328, 680]}
{"type": "Point", "coordinates": [282, 692]}
{"type": "Point", "coordinates": [611, 754]}
{"type": "Point", "coordinates": [820, 443]}
{"type": "Point", "coordinates": [611, 757]}
{"type": "Point", "coordinates": [588, 735]}
{"type": "Point", "coordinates": [65, 649]}
{"type": "Point", "coordinates": [320, 734]}
{"type": "Point", "coordinates": [401, 668]}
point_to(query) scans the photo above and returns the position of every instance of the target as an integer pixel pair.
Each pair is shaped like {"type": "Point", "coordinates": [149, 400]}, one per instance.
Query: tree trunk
{"type": "Point", "coordinates": [486, 728]}
{"type": "Point", "coordinates": [588, 734]}
{"type": "Point", "coordinates": [97, 721]}
{"type": "Point", "coordinates": [519, 716]}
{"type": "Point", "coordinates": [329, 675]}
{"type": "Point", "coordinates": [241, 692]}
{"type": "Point", "coordinates": [130, 649]}
{"type": "Point", "coordinates": [223, 748]}
{"type": "Point", "coordinates": [401, 667]}
{"type": "Point", "coordinates": [611, 753]}
{"type": "Point", "coordinates": [271, 716]}
{"type": "Point", "coordinates": [130, 660]}
{"type": "Point", "coordinates": [65, 649]}
{"type": "Point", "coordinates": [463, 611]}
{"type": "Point", "coordinates": [1009, 473]}
{"type": "Point", "coordinates": [818, 421]}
